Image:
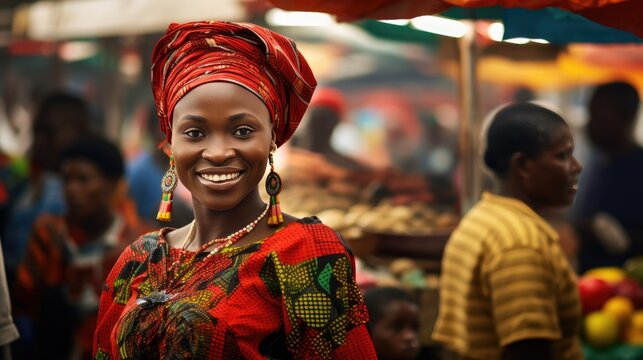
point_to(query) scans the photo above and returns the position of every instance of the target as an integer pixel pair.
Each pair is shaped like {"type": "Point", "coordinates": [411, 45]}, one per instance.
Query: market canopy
{"type": "Point", "coordinates": [68, 19]}
{"type": "Point", "coordinates": [620, 14]}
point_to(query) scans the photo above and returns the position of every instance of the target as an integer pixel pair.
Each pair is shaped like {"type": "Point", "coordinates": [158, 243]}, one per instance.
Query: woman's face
{"type": "Point", "coordinates": [221, 136]}
{"type": "Point", "coordinates": [87, 191]}
{"type": "Point", "coordinates": [395, 335]}
{"type": "Point", "coordinates": [552, 178]}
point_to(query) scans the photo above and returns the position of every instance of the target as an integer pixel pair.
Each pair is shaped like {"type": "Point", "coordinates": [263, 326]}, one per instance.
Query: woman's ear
{"type": "Point", "coordinates": [519, 165]}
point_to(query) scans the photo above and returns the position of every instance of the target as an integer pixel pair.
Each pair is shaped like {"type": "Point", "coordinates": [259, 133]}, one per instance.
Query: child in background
{"type": "Point", "coordinates": [394, 323]}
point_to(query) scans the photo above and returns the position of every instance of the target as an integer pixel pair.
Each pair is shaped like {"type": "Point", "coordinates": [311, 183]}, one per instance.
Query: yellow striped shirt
{"type": "Point", "coordinates": [505, 279]}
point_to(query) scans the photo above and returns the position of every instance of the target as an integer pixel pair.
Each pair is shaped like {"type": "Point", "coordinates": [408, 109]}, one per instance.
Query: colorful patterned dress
{"type": "Point", "coordinates": [290, 296]}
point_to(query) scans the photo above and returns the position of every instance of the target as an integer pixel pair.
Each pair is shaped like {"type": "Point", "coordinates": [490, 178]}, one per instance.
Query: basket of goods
{"type": "Point", "coordinates": [412, 230]}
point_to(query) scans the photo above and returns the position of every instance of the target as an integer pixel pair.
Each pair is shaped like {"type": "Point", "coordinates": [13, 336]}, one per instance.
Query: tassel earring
{"type": "Point", "coordinates": [273, 188]}
{"type": "Point", "coordinates": [168, 184]}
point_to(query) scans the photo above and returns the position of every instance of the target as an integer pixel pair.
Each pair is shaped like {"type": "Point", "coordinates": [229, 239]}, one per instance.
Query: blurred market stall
{"type": "Point", "coordinates": [527, 48]}
{"type": "Point", "coordinates": [518, 26]}
{"type": "Point", "coordinates": [60, 20]}
{"type": "Point", "coordinates": [415, 87]}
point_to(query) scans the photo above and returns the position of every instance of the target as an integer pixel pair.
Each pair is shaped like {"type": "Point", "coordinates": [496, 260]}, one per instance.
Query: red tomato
{"type": "Point", "coordinates": [593, 293]}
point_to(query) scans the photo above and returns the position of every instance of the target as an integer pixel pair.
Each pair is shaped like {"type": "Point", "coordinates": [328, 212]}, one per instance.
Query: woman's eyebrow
{"type": "Point", "coordinates": [240, 116]}
{"type": "Point", "coordinates": [193, 118]}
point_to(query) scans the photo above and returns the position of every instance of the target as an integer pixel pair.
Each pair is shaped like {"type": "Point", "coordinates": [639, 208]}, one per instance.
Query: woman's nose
{"type": "Point", "coordinates": [218, 151]}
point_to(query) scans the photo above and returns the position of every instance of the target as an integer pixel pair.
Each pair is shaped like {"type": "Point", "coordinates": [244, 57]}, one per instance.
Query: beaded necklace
{"type": "Point", "coordinates": [162, 296]}
{"type": "Point", "coordinates": [225, 241]}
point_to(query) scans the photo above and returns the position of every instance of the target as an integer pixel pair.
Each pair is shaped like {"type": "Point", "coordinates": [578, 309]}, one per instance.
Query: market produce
{"type": "Point", "coordinates": [350, 216]}
{"type": "Point", "coordinates": [634, 269]}
{"type": "Point", "coordinates": [612, 303]}
{"type": "Point", "coordinates": [593, 292]}
{"type": "Point", "coordinates": [610, 274]}
{"type": "Point", "coordinates": [620, 308]}
{"type": "Point", "coordinates": [634, 333]}
{"type": "Point", "coordinates": [630, 289]}
{"type": "Point", "coordinates": [601, 329]}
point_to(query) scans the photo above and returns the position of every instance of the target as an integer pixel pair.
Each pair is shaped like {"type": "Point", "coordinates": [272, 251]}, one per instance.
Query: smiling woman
{"type": "Point", "coordinates": [242, 280]}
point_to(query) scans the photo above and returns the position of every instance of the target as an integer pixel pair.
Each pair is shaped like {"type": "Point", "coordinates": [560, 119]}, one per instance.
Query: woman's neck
{"type": "Point", "coordinates": [218, 224]}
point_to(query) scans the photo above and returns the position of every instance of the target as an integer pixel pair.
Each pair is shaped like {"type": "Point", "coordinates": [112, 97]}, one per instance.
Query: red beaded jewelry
{"type": "Point", "coordinates": [225, 241]}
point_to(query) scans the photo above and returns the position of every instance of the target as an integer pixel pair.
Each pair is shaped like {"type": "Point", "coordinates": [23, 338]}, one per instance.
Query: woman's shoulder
{"type": "Point", "coordinates": [311, 226]}
{"type": "Point", "coordinates": [147, 242]}
{"type": "Point", "coordinates": [310, 234]}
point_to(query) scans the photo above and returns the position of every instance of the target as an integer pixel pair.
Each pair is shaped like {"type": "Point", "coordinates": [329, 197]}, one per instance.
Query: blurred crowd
{"type": "Point", "coordinates": [68, 205]}
{"type": "Point", "coordinates": [71, 199]}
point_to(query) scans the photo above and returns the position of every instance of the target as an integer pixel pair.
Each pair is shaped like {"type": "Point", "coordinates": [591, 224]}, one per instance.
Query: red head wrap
{"type": "Point", "coordinates": [263, 62]}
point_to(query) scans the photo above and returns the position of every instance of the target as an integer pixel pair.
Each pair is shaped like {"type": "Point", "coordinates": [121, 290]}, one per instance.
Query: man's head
{"type": "Point", "coordinates": [60, 119]}
{"type": "Point", "coordinates": [612, 116]}
{"type": "Point", "coordinates": [530, 150]}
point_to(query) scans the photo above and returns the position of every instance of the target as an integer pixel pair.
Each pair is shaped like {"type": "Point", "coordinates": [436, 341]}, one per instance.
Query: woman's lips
{"type": "Point", "coordinates": [221, 181]}
{"type": "Point", "coordinates": [220, 177]}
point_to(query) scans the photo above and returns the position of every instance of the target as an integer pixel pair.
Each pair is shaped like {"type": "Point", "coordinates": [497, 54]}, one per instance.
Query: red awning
{"type": "Point", "coordinates": [620, 14]}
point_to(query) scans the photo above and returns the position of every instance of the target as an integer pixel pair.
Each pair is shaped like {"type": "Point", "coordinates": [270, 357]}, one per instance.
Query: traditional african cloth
{"type": "Point", "coordinates": [59, 282]}
{"type": "Point", "coordinates": [292, 295]}
{"type": "Point", "coordinates": [263, 62]}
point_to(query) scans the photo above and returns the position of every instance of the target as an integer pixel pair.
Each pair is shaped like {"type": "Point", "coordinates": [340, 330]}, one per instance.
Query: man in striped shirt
{"type": "Point", "coordinates": [507, 290]}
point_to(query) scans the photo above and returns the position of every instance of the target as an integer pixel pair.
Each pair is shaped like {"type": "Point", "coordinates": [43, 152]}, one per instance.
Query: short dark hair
{"type": "Point", "coordinates": [378, 299]}
{"type": "Point", "coordinates": [622, 96]}
{"type": "Point", "coordinates": [99, 151]}
{"type": "Point", "coordinates": [521, 127]}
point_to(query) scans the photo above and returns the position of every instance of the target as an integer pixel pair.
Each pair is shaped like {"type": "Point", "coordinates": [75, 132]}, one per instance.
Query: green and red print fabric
{"type": "Point", "coordinates": [290, 296]}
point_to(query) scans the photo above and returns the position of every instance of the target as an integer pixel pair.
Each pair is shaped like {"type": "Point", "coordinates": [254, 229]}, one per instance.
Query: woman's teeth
{"type": "Point", "coordinates": [218, 178]}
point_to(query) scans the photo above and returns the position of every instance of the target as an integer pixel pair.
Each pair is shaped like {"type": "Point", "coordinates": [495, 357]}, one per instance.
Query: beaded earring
{"type": "Point", "coordinates": [168, 184]}
{"type": "Point", "coordinates": [273, 188]}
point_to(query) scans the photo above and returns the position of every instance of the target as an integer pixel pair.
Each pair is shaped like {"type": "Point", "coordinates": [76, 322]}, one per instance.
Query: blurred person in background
{"type": "Point", "coordinates": [243, 280]}
{"type": "Point", "coordinates": [32, 184]}
{"type": "Point", "coordinates": [61, 276]}
{"type": "Point", "coordinates": [15, 119]}
{"type": "Point", "coordinates": [608, 214]}
{"type": "Point", "coordinates": [394, 323]}
{"type": "Point", "coordinates": [507, 291]}
{"type": "Point", "coordinates": [312, 159]}
{"type": "Point", "coordinates": [8, 330]}
{"type": "Point", "coordinates": [326, 111]}
{"type": "Point", "coordinates": [144, 173]}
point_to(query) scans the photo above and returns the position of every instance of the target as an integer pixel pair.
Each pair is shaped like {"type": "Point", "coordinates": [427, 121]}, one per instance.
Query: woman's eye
{"type": "Point", "coordinates": [243, 131]}
{"type": "Point", "coordinates": [193, 133]}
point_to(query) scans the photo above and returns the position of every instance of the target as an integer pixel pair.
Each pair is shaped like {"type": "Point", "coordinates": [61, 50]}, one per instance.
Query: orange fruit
{"type": "Point", "coordinates": [621, 308]}
{"type": "Point", "coordinates": [634, 334]}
